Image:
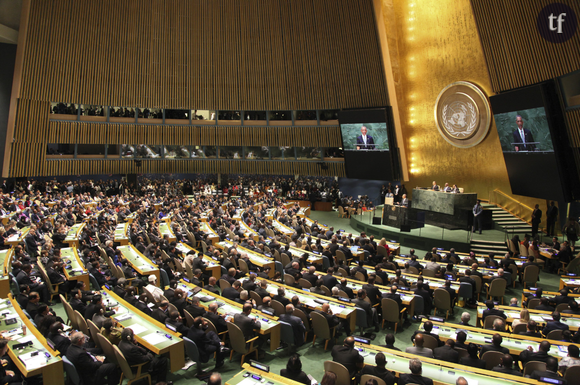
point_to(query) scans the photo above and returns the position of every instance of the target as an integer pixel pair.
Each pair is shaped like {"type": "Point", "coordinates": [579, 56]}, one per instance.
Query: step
{"type": "Point", "coordinates": [488, 242]}
{"type": "Point", "coordinates": [491, 248]}
{"type": "Point", "coordinates": [486, 251]}
{"type": "Point", "coordinates": [501, 215]}
{"type": "Point", "coordinates": [511, 222]}
{"type": "Point", "coordinates": [492, 208]}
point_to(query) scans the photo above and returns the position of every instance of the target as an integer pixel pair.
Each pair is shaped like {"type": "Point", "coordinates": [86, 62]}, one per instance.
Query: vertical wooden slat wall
{"type": "Point", "coordinates": [193, 54]}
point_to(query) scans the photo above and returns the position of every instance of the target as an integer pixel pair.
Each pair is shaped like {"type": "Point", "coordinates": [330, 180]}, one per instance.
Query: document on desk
{"type": "Point", "coordinates": [33, 362]}
{"type": "Point", "coordinates": [155, 338]}
{"type": "Point", "coordinates": [248, 381]}
{"type": "Point", "coordinates": [137, 328]}
{"type": "Point", "coordinates": [27, 338]}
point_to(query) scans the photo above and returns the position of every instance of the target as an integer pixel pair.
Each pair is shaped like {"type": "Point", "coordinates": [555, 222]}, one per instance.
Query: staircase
{"type": "Point", "coordinates": [486, 247]}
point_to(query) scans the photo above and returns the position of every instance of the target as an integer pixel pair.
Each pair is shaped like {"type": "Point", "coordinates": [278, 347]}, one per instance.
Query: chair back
{"type": "Point", "coordinates": [188, 318]}
{"type": "Point", "coordinates": [164, 278]}
{"type": "Point", "coordinates": [390, 310]}
{"type": "Point", "coordinates": [69, 313]}
{"type": "Point", "coordinates": [489, 320]}
{"type": "Point", "coordinates": [492, 359]}
{"type": "Point", "coordinates": [243, 266]}
{"type": "Point", "coordinates": [325, 263]}
{"type": "Point", "coordinates": [531, 274]}
{"type": "Point", "coordinates": [465, 290]}
{"type": "Point", "coordinates": [497, 288]}
{"type": "Point", "coordinates": [519, 328]}
{"type": "Point", "coordinates": [478, 283]}
{"type": "Point", "coordinates": [342, 272]}
{"type": "Point", "coordinates": [107, 347]}
{"type": "Point", "coordinates": [123, 364]}
{"type": "Point", "coordinates": [343, 294]}
{"type": "Point", "coordinates": [340, 256]}
{"type": "Point", "coordinates": [365, 377]}
{"type": "Point", "coordinates": [360, 276]}
{"type": "Point", "coordinates": [428, 273]}
{"type": "Point", "coordinates": [94, 282]}
{"type": "Point", "coordinates": [523, 250]}
{"type": "Point", "coordinates": [224, 284]}
{"type": "Point", "coordinates": [572, 374]}
{"type": "Point", "coordinates": [81, 323]}
{"type": "Point", "coordinates": [71, 372]}
{"type": "Point", "coordinates": [442, 300]}
{"type": "Point", "coordinates": [561, 307]}
{"type": "Point", "coordinates": [414, 270]}
{"type": "Point", "coordinates": [94, 333]}
{"type": "Point", "coordinates": [430, 342]}
{"type": "Point", "coordinates": [285, 259]}
{"type": "Point", "coordinates": [555, 335]}
{"type": "Point", "coordinates": [361, 319]}
{"type": "Point", "coordinates": [237, 338]}
{"type": "Point", "coordinates": [462, 353]}
{"type": "Point", "coordinates": [534, 302]}
{"type": "Point", "coordinates": [320, 326]}
{"type": "Point", "coordinates": [300, 314]}
{"type": "Point", "coordinates": [289, 280]}
{"type": "Point", "coordinates": [279, 267]}
{"type": "Point", "coordinates": [304, 283]}
{"type": "Point", "coordinates": [511, 246]}
{"type": "Point", "coordinates": [150, 297]}
{"type": "Point", "coordinates": [191, 350]}
{"type": "Point", "coordinates": [342, 374]}
{"type": "Point", "coordinates": [279, 309]}
{"type": "Point", "coordinates": [178, 266]}
{"type": "Point", "coordinates": [256, 297]}
{"type": "Point", "coordinates": [326, 290]}
{"type": "Point", "coordinates": [210, 326]}
{"type": "Point", "coordinates": [534, 365]}
{"type": "Point", "coordinates": [286, 333]}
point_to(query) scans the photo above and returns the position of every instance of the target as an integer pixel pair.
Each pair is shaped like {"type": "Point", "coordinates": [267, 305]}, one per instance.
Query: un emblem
{"type": "Point", "coordinates": [463, 114]}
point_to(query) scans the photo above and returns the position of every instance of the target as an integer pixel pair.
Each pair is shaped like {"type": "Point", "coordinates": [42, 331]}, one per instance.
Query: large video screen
{"type": "Point", "coordinates": [525, 130]}
{"type": "Point", "coordinates": [365, 136]}
{"type": "Point", "coordinates": [366, 140]}
{"type": "Point", "coordinates": [530, 126]}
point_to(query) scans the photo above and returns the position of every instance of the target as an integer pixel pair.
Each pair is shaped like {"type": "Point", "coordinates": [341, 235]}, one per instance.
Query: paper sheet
{"type": "Point", "coordinates": [248, 381]}
{"type": "Point", "coordinates": [29, 337]}
{"type": "Point", "coordinates": [155, 338]}
{"type": "Point", "coordinates": [137, 328]}
{"type": "Point", "coordinates": [33, 362]}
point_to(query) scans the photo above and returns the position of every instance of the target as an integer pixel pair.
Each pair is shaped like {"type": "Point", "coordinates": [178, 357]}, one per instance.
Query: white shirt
{"type": "Point", "coordinates": [365, 139]}
{"type": "Point", "coordinates": [522, 135]}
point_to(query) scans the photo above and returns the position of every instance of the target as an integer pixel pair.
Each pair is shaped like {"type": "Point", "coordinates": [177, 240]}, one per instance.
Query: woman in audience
{"type": "Point", "coordinates": [111, 332]}
{"type": "Point", "coordinates": [524, 318]}
{"type": "Point", "coordinates": [294, 371]}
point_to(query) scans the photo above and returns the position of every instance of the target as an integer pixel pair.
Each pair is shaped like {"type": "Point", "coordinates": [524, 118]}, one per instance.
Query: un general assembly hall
{"type": "Point", "coordinates": [250, 192]}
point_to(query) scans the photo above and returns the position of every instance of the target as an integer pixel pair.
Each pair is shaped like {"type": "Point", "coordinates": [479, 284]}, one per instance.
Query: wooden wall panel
{"type": "Point", "coordinates": [515, 52]}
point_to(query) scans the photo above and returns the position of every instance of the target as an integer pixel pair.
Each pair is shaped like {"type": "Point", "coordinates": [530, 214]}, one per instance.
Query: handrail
{"type": "Point", "coordinates": [511, 205]}
{"type": "Point", "coordinates": [511, 198]}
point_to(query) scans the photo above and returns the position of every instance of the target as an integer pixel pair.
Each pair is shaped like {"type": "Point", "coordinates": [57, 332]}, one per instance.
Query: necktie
{"type": "Point", "coordinates": [523, 136]}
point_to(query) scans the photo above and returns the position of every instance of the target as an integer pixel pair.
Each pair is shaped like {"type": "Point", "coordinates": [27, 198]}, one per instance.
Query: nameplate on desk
{"type": "Point", "coordinates": [123, 317]}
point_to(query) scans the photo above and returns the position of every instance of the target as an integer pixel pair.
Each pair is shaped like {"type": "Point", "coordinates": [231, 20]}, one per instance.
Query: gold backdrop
{"type": "Point", "coordinates": [433, 43]}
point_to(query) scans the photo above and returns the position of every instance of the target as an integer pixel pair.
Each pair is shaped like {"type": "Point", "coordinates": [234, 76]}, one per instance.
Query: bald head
{"type": "Point", "coordinates": [419, 340]}
{"type": "Point", "coordinates": [349, 341]}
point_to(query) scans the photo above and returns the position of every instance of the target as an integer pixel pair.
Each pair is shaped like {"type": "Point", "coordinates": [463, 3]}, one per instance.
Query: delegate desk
{"type": "Point", "coordinates": [18, 237]}
{"type": "Point", "coordinates": [343, 310]}
{"type": "Point", "coordinates": [149, 332]}
{"type": "Point", "coordinates": [313, 258]}
{"type": "Point", "coordinates": [434, 283]}
{"type": "Point", "coordinates": [569, 282]}
{"type": "Point", "coordinates": [550, 295]}
{"type": "Point", "coordinates": [6, 260]}
{"type": "Point", "coordinates": [247, 231]}
{"type": "Point", "coordinates": [514, 342]}
{"type": "Point", "coordinates": [45, 362]}
{"type": "Point", "coordinates": [139, 262]}
{"type": "Point", "coordinates": [164, 229]}
{"type": "Point", "coordinates": [77, 269]}
{"type": "Point", "coordinates": [541, 317]}
{"type": "Point", "coordinates": [255, 376]}
{"type": "Point", "coordinates": [121, 234]}
{"type": "Point", "coordinates": [459, 269]}
{"type": "Point", "coordinates": [407, 297]}
{"type": "Point", "coordinates": [73, 235]}
{"type": "Point", "coordinates": [440, 372]}
{"type": "Point", "coordinates": [213, 266]}
{"type": "Point", "coordinates": [282, 228]}
{"type": "Point", "coordinates": [269, 325]}
{"type": "Point", "coordinates": [207, 230]}
{"type": "Point", "coordinates": [257, 259]}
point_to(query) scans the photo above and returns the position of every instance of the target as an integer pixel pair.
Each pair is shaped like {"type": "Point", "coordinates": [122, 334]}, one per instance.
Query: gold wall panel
{"type": "Point", "coordinates": [436, 44]}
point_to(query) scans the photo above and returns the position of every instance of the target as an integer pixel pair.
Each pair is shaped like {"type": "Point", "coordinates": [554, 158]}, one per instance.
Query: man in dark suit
{"type": "Point", "coordinates": [536, 219]}
{"type": "Point", "coordinates": [343, 286]}
{"type": "Point", "coordinates": [217, 320]}
{"type": "Point", "coordinates": [157, 366]}
{"type": "Point", "coordinates": [415, 376]}
{"type": "Point", "coordinates": [544, 305]}
{"type": "Point", "coordinates": [427, 328]}
{"type": "Point", "coordinates": [348, 356]}
{"type": "Point", "coordinates": [160, 314]}
{"type": "Point", "coordinates": [262, 289]}
{"type": "Point", "coordinates": [329, 279]}
{"type": "Point", "coordinates": [369, 310]}
{"type": "Point", "coordinates": [550, 372]}
{"type": "Point", "coordinates": [364, 141]}
{"type": "Point", "coordinates": [176, 321]}
{"type": "Point", "coordinates": [495, 346]}
{"type": "Point", "coordinates": [427, 298]}
{"type": "Point", "coordinates": [472, 359]}
{"type": "Point", "coordinates": [141, 304]}
{"type": "Point", "coordinates": [540, 355]}
{"type": "Point", "coordinates": [372, 291]}
{"type": "Point", "coordinates": [212, 286]}
{"type": "Point", "coordinates": [207, 343]}
{"type": "Point", "coordinates": [491, 311]}
{"type": "Point", "coordinates": [447, 352]}
{"type": "Point", "coordinates": [522, 136]}
{"type": "Point", "coordinates": [467, 279]}
{"type": "Point", "coordinates": [506, 366]}
{"type": "Point", "coordinates": [333, 320]}
{"type": "Point", "coordinates": [297, 325]}
{"type": "Point", "coordinates": [394, 296]}
{"type": "Point", "coordinates": [311, 276]}
{"type": "Point", "coordinates": [24, 277]}
{"type": "Point", "coordinates": [194, 307]}
{"type": "Point", "coordinates": [379, 370]}
{"type": "Point", "coordinates": [531, 330]}
{"type": "Point", "coordinates": [232, 293]}
{"type": "Point", "coordinates": [460, 340]}
{"type": "Point", "coordinates": [555, 324]}
{"type": "Point", "coordinates": [390, 342]}
{"type": "Point", "coordinates": [551, 217]}
{"type": "Point", "coordinates": [246, 324]}
{"type": "Point", "coordinates": [563, 297]}
{"type": "Point", "coordinates": [92, 369]}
